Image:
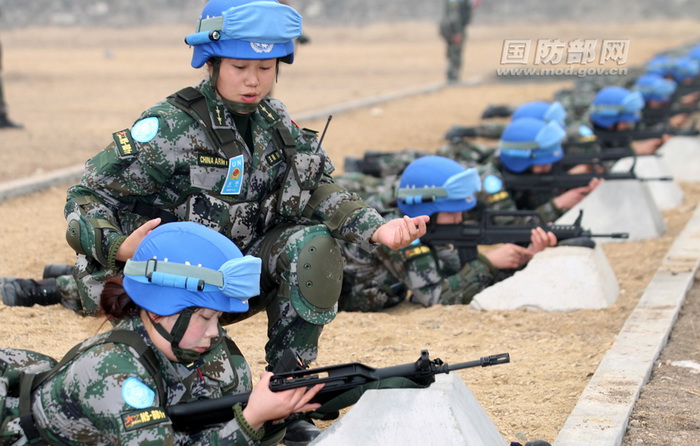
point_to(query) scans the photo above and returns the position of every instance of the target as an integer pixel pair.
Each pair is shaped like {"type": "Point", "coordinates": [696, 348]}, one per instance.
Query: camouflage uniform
{"type": "Point", "coordinates": [432, 275]}
{"type": "Point", "coordinates": [3, 106]}
{"type": "Point", "coordinates": [382, 279]}
{"type": "Point", "coordinates": [86, 401]}
{"type": "Point", "coordinates": [270, 201]}
{"type": "Point", "coordinates": [456, 17]}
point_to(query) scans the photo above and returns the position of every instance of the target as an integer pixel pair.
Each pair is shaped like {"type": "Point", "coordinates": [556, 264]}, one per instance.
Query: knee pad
{"type": "Point", "coordinates": [84, 234]}
{"type": "Point", "coordinates": [319, 276]}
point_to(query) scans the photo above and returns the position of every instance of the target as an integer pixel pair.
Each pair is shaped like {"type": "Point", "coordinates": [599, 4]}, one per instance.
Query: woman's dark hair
{"type": "Point", "coordinates": [114, 302]}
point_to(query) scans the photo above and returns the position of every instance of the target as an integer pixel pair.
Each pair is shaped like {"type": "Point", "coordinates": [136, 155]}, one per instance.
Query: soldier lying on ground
{"type": "Point", "coordinates": [433, 275]}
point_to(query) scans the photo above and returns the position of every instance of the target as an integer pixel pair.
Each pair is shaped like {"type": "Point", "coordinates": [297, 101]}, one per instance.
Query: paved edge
{"type": "Point", "coordinates": [601, 415]}
{"type": "Point", "coordinates": [22, 186]}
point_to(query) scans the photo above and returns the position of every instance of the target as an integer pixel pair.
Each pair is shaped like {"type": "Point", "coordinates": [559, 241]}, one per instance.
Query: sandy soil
{"type": "Point", "coordinates": [73, 87]}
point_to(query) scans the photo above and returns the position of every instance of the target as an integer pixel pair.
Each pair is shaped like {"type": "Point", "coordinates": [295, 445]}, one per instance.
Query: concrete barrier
{"type": "Point", "coordinates": [564, 278]}
{"type": "Point", "coordinates": [681, 155]}
{"type": "Point", "coordinates": [666, 194]}
{"type": "Point", "coordinates": [446, 413]}
{"type": "Point", "coordinates": [619, 206]}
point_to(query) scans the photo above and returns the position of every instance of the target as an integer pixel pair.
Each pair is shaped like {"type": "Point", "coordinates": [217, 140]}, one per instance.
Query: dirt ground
{"type": "Point", "coordinates": [667, 410]}
{"type": "Point", "coordinates": [73, 87]}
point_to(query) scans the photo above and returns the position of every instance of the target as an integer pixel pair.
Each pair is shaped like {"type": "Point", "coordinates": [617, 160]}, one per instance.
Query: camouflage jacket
{"type": "Point", "coordinates": [495, 193]}
{"type": "Point", "coordinates": [456, 15]}
{"type": "Point", "coordinates": [167, 163]}
{"type": "Point", "coordinates": [106, 396]}
{"type": "Point", "coordinates": [433, 275]}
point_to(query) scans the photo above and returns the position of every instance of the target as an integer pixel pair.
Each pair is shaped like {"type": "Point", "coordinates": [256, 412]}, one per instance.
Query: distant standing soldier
{"type": "Point", "coordinates": [5, 122]}
{"type": "Point", "coordinates": [453, 28]}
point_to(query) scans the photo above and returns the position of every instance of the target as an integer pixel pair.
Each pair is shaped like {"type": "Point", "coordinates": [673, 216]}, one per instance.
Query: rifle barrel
{"type": "Point", "coordinates": [613, 235]}
{"type": "Point", "coordinates": [502, 358]}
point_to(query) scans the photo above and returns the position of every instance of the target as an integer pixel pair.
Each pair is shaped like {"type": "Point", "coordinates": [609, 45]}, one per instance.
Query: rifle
{"type": "Point", "coordinates": [562, 180]}
{"type": "Point", "coordinates": [466, 236]}
{"type": "Point", "coordinates": [652, 116]}
{"type": "Point", "coordinates": [617, 138]}
{"type": "Point", "coordinates": [337, 379]}
{"type": "Point", "coordinates": [571, 159]}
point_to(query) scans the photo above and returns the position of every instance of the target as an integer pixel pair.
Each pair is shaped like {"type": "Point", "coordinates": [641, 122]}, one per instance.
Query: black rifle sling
{"type": "Point", "coordinates": [30, 382]}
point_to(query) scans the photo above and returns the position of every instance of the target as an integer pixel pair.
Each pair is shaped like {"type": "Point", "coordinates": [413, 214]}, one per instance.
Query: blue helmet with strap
{"type": "Point", "coordinates": [660, 64]}
{"type": "Point", "coordinates": [683, 68]}
{"type": "Point", "coordinates": [546, 111]}
{"type": "Point", "coordinates": [615, 104]}
{"type": "Point", "coordinates": [655, 87]}
{"type": "Point", "coordinates": [245, 29]}
{"type": "Point", "coordinates": [184, 265]}
{"type": "Point", "coordinates": [433, 184]}
{"type": "Point", "coordinates": [694, 52]}
{"type": "Point", "coordinates": [526, 142]}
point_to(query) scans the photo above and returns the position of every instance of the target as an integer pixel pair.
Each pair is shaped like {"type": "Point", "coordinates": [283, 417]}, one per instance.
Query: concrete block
{"type": "Point", "coordinates": [680, 155]}
{"type": "Point", "coordinates": [666, 194]}
{"type": "Point", "coordinates": [564, 278]}
{"type": "Point", "coordinates": [446, 413]}
{"type": "Point", "coordinates": [619, 206]}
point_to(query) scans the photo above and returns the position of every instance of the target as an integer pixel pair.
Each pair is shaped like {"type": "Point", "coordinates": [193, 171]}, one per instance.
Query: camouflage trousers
{"type": "Point", "coordinates": [3, 107]}
{"type": "Point", "coordinates": [454, 58]}
{"type": "Point", "coordinates": [281, 294]}
{"type": "Point", "coordinates": [368, 285]}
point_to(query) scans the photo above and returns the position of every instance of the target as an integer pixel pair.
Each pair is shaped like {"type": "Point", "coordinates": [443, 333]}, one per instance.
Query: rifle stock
{"type": "Point", "coordinates": [337, 379]}
{"type": "Point", "coordinates": [465, 236]}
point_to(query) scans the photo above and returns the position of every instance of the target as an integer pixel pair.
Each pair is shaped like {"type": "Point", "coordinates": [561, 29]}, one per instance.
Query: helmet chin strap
{"type": "Point", "coordinates": [177, 333]}
{"type": "Point", "coordinates": [238, 108]}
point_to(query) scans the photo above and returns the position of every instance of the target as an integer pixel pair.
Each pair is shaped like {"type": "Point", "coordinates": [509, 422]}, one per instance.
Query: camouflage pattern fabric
{"type": "Point", "coordinates": [383, 164]}
{"type": "Point", "coordinates": [244, 195]}
{"type": "Point", "coordinates": [14, 362]}
{"type": "Point", "coordinates": [466, 152]}
{"type": "Point", "coordinates": [580, 137]}
{"type": "Point", "coordinates": [456, 17]}
{"type": "Point", "coordinates": [495, 193]}
{"type": "Point", "coordinates": [89, 401]}
{"type": "Point", "coordinates": [382, 279]}
{"type": "Point", "coordinates": [3, 105]}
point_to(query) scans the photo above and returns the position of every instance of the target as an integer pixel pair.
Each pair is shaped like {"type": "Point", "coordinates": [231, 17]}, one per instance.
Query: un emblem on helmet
{"type": "Point", "coordinates": [262, 47]}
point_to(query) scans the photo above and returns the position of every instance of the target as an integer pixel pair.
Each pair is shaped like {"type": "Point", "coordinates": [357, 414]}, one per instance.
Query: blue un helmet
{"type": "Point", "coordinates": [245, 29]}
{"type": "Point", "coordinates": [694, 52]}
{"type": "Point", "coordinates": [616, 104]}
{"type": "Point", "coordinates": [433, 184]}
{"type": "Point", "coordinates": [655, 87]}
{"type": "Point", "coordinates": [187, 265]}
{"type": "Point", "coordinates": [660, 64]}
{"type": "Point", "coordinates": [526, 142]}
{"type": "Point", "coordinates": [546, 111]}
{"type": "Point", "coordinates": [684, 68]}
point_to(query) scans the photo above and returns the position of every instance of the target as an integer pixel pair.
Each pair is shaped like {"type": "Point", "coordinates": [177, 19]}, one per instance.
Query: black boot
{"type": "Point", "coordinates": [28, 292]}
{"type": "Point", "coordinates": [300, 433]}
{"type": "Point", "coordinates": [55, 270]}
{"type": "Point", "coordinates": [5, 123]}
